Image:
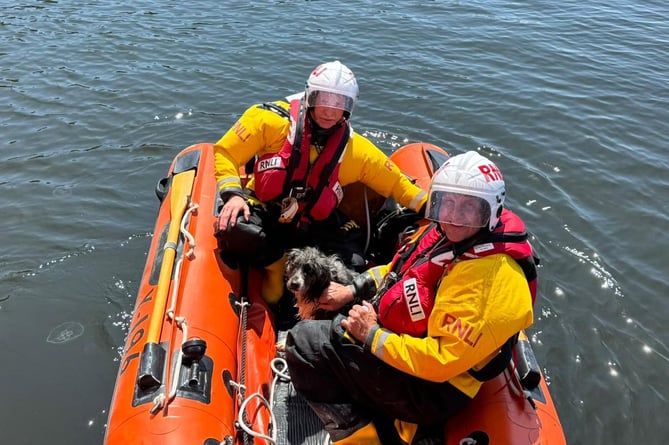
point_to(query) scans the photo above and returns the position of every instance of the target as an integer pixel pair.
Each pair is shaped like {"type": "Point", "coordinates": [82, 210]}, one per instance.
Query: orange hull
{"type": "Point", "coordinates": [165, 397]}
{"type": "Point", "coordinates": [504, 416]}
{"type": "Point", "coordinates": [205, 301]}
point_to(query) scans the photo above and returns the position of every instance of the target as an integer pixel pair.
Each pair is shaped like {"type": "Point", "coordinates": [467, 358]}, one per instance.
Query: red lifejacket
{"type": "Point", "coordinates": [406, 297]}
{"type": "Point", "coordinates": [288, 173]}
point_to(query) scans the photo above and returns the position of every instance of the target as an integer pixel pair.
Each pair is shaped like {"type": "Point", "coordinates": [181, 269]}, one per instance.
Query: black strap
{"type": "Point", "coordinates": [296, 153]}
{"type": "Point", "coordinates": [275, 108]}
{"type": "Point", "coordinates": [507, 237]}
{"type": "Point", "coordinates": [498, 363]}
{"type": "Point", "coordinates": [410, 247]}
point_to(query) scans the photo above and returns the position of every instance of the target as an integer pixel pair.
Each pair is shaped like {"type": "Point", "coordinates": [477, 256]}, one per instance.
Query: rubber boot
{"type": "Point", "coordinates": [364, 436]}
{"type": "Point", "coordinates": [273, 281]}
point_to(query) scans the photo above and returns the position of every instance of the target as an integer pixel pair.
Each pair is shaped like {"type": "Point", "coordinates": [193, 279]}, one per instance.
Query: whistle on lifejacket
{"type": "Point", "coordinates": [289, 209]}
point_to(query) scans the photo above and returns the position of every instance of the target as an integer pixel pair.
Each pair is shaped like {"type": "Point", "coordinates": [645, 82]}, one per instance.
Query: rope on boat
{"type": "Point", "coordinates": [242, 417]}
{"type": "Point", "coordinates": [248, 429]}
{"type": "Point", "coordinates": [190, 254]}
{"type": "Point", "coordinates": [163, 399]}
{"type": "Point", "coordinates": [280, 368]}
{"type": "Point", "coordinates": [176, 373]}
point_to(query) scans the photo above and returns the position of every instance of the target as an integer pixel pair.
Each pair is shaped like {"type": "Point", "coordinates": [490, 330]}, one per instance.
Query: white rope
{"type": "Point", "coordinates": [248, 429]}
{"type": "Point", "coordinates": [157, 403]}
{"type": "Point", "coordinates": [162, 400]}
{"type": "Point", "coordinates": [190, 254]}
{"type": "Point", "coordinates": [176, 373]}
{"type": "Point", "coordinates": [280, 368]}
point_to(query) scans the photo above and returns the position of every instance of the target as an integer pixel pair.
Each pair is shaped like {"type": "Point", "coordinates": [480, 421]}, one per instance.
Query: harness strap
{"type": "Point", "coordinates": [275, 108]}
{"type": "Point", "coordinates": [529, 264]}
{"type": "Point", "coordinates": [508, 237]}
{"type": "Point", "coordinates": [326, 173]}
{"type": "Point", "coordinates": [498, 363]}
{"type": "Point", "coordinates": [248, 168]}
{"type": "Point", "coordinates": [439, 248]}
{"type": "Point", "coordinates": [410, 247]}
{"type": "Point", "coordinates": [296, 154]}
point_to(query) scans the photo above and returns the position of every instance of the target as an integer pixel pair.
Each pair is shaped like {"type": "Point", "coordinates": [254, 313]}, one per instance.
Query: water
{"type": "Point", "coordinates": [569, 98]}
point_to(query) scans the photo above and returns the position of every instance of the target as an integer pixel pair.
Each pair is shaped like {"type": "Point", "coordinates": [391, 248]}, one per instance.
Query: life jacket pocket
{"type": "Point", "coordinates": [325, 204]}
{"type": "Point", "coordinates": [270, 175]}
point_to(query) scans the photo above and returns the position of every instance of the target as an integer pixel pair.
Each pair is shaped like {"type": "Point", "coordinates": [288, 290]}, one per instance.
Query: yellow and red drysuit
{"type": "Point", "coordinates": [262, 131]}
{"type": "Point", "coordinates": [478, 305]}
{"type": "Point", "coordinates": [269, 129]}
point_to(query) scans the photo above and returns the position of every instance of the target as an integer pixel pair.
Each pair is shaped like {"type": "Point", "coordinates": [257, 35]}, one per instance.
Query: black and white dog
{"type": "Point", "coordinates": [308, 273]}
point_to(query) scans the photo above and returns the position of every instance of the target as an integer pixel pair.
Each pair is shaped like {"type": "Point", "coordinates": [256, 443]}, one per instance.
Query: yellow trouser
{"type": "Point", "coordinates": [272, 283]}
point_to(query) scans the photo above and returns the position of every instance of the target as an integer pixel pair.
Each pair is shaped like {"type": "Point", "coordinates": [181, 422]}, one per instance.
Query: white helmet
{"type": "Point", "coordinates": [460, 178]}
{"type": "Point", "coordinates": [336, 78]}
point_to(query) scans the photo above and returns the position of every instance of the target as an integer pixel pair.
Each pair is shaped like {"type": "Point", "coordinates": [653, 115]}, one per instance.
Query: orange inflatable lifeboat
{"type": "Point", "coordinates": [200, 364]}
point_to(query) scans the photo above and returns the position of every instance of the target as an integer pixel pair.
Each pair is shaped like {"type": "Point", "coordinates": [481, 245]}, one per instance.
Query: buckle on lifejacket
{"type": "Point", "coordinates": [388, 281]}
{"type": "Point", "coordinates": [298, 193]}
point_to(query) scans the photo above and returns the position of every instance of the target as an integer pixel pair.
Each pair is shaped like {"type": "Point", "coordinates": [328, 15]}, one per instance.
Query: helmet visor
{"type": "Point", "coordinates": [458, 209]}
{"type": "Point", "coordinates": [330, 100]}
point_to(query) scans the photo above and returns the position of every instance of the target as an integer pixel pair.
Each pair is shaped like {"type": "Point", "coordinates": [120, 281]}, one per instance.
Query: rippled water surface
{"type": "Point", "coordinates": [569, 98]}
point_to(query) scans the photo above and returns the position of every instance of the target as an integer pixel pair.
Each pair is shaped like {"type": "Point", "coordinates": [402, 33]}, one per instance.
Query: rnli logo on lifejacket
{"type": "Point", "coordinates": [267, 164]}
{"type": "Point", "coordinates": [412, 300]}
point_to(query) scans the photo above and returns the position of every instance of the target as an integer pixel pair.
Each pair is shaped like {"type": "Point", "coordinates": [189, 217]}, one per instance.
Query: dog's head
{"type": "Point", "coordinates": [308, 275]}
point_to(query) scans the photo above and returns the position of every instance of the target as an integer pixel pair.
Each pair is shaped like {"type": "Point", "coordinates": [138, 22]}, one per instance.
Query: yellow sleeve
{"type": "Point", "coordinates": [479, 305]}
{"type": "Point", "coordinates": [258, 131]}
{"type": "Point", "coordinates": [378, 273]}
{"type": "Point", "coordinates": [365, 162]}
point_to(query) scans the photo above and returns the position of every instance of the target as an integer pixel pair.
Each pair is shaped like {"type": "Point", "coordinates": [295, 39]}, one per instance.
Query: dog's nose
{"type": "Point", "coordinates": [293, 285]}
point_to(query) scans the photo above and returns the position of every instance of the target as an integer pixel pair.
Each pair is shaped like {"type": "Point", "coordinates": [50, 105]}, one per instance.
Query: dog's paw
{"type": "Point", "coordinates": [281, 345]}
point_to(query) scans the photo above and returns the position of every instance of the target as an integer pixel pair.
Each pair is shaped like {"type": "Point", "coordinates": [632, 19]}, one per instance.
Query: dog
{"type": "Point", "coordinates": [308, 274]}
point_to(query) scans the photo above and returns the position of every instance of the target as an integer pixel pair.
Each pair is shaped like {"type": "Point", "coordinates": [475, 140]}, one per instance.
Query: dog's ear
{"type": "Point", "coordinates": [291, 254]}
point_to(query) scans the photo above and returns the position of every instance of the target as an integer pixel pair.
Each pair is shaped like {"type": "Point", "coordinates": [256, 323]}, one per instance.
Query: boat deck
{"type": "Point", "coordinates": [296, 423]}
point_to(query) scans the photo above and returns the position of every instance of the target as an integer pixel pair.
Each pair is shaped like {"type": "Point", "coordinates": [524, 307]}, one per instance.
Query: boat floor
{"type": "Point", "coordinates": [296, 423]}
